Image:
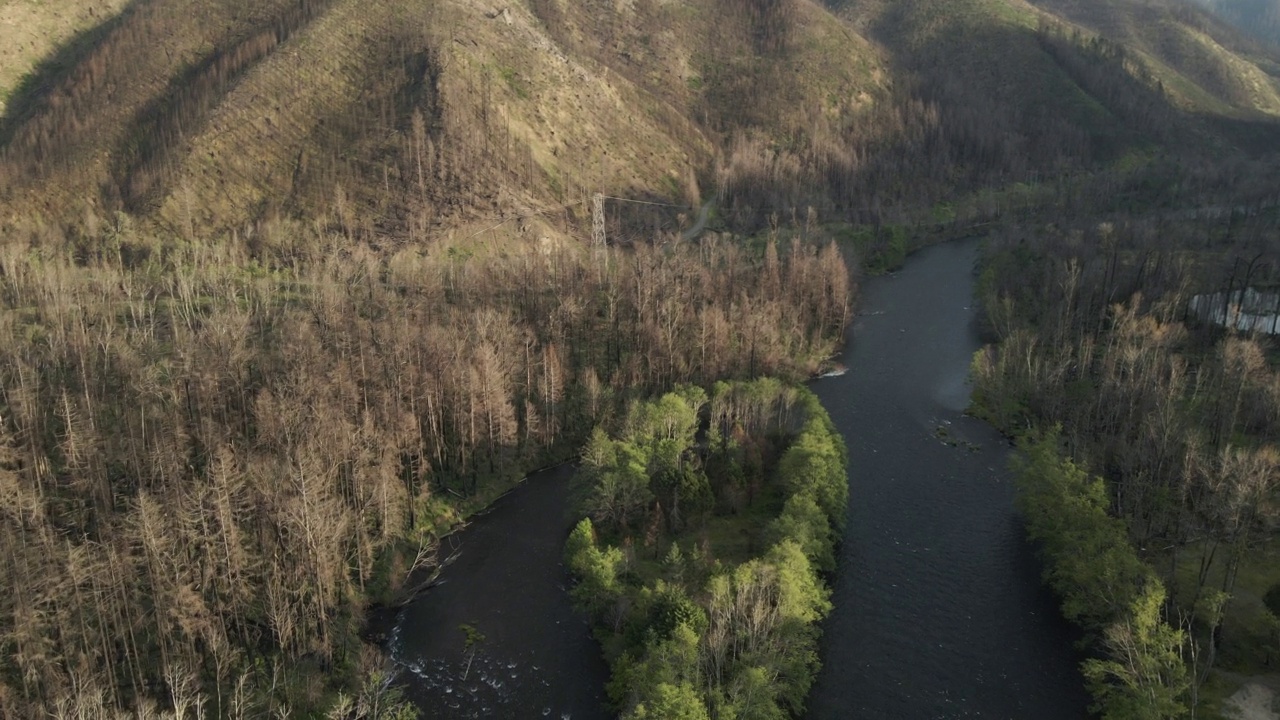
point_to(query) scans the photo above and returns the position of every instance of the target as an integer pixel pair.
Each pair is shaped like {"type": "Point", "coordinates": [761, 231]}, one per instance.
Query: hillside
{"type": "Point", "coordinates": [406, 114]}
{"type": "Point", "coordinates": [1259, 18]}
{"type": "Point", "coordinates": [405, 121]}
{"type": "Point", "coordinates": [1141, 68]}
{"type": "Point", "coordinates": [1205, 65]}
{"type": "Point", "coordinates": [35, 39]}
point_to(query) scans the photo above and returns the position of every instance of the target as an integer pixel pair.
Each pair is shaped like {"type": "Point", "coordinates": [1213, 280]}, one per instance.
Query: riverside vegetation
{"type": "Point", "coordinates": [1168, 558]}
{"type": "Point", "coordinates": [1104, 585]}
{"type": "Point", "coordinates": [700, 560]}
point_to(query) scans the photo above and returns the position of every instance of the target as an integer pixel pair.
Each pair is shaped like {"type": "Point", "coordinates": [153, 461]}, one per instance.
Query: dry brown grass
{"type": "Point", "coordinates": [31, 30]}
{"type": "Point", "coordinates": [405, 120]}
{"type": "Point", "coordinates": [58, 160]}
{"type": "Point", "coordinates": [510, 123]}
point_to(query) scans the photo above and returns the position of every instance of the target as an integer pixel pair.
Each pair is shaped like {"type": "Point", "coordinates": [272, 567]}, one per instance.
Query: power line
{"type": "Point", "coordinates": [646, 202]}
{"type": "Point", "coordinates": [597, 214]}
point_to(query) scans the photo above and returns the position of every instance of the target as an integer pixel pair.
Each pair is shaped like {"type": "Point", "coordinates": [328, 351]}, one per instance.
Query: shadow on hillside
{"type": "Point", "coordinates": [183, 107]}
{"type": "Point", "coordinates": [1037, 99]}
{"type": "Point", "coordinates": [32, 91]}
{"type": "Point", "coordinates": [1257, 137]}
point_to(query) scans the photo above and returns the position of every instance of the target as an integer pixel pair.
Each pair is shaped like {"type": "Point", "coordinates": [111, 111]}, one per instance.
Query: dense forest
{"type": "Point", "coordinates": [716, 629]}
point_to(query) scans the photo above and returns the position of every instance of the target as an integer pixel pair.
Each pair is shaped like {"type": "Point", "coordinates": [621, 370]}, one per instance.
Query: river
{"type": "Point", "coordinates": [537, 657]}
{"type": "Point", "coordinates": [939, 611]}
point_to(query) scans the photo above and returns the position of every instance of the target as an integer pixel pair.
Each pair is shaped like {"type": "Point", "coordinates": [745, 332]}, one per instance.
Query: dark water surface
{"type": "Point", "coordinates": [537, 658]}
{"type": "Point", "coordinates": [939, 611]}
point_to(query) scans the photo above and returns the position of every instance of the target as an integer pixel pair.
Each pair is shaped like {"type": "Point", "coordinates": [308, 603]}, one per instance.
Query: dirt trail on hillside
{"type": "Point", "coordinates": [693, 232]}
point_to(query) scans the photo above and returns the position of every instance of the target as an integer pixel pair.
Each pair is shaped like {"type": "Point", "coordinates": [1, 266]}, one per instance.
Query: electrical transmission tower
{"type": "Point", "coordinates": [597, 220]}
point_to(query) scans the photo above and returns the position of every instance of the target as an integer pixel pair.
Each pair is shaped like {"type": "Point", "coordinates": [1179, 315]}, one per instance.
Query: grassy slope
{"type": "Point", "coordinates": [700, 57]}
{"type": "Point", "coordinates": [1206, 65]}
{"type": "Point", "coordinates": [518, 112]}
{"type": "Point", "coordinates": [31, 31]}
{"type": "Point", "coordinates": [550, 100]}
{"type": "Point", "coordinates": [61, 148]}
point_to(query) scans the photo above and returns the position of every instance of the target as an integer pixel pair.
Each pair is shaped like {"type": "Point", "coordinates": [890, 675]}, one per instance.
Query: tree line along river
{"type": "Point", "coordinates": [939, 610]}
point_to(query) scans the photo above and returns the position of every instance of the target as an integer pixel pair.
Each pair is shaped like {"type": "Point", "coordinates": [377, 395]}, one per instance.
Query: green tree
{"type": "Point", "coordinates": [671, 662]}
{"type": "Point", "coordinates": [1089, 560]}
{"type": "Point", "coordinates": [752, 695]}
{"type": "Point", "coordinates": [803, 600]}
{"type": "Point", "coordinates": [803, 522]}
{"type": "Point", "coordinates": [816, 463]}
{"type": "Point", "coordinates": [596, 570]}
{"type": "Point", "coordinates": [670, 702]}
{"type": "Point", "coordinates": [671, 608]}
{"type": "Point", "coordinates": [1143, 677]}
{"type": "Point", "coordinates": [618, 491]}
{"type": "Point", "coordinates": [1104, 586]}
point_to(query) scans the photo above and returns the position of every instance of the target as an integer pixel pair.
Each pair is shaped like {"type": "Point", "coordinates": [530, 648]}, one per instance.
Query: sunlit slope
{"type": "Point", "coordinates": [36, 31]}
{"type": "Point", "coordinates": [62, 140]}
{"type": "Point", "coordinates": [1065, 80]}
{"type": "Point", "coordinates": [1257, 18]}
{"type": "Point", "coordinates": [405, 117]}
{"type": "Point", "coordinates": [770, 65]}
{"type": "Point", "coordinates": [1205, 65]}
{"type": "Point", "coordinates": [415, 113]}
{"type": "Point", "coordinates": [409, 120]}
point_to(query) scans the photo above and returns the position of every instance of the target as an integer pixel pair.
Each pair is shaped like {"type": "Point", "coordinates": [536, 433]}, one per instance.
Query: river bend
{"type": "Point", "coordinates": [939, 610]}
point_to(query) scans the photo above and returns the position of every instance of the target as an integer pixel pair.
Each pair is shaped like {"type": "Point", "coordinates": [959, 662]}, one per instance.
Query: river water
{"type": "Point", "coordinates": [939, 610]}
{"type": "Point", "coordinates": [537, 657]}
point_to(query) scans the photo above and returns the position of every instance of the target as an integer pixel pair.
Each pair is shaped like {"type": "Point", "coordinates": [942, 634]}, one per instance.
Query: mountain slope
{"type": "Point", "coordinates": [34, 35]}
{"type": "Point", "coordinates": [409, 120]}
{"type": "Point", "coordinates": [1076, 85]}
{"type": "Point", "coordinates": [406, 114]}
{"type": "Point", "coordinates": [1206, 65]}
{"type": "Point", "coordinates": [1258, 18]}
